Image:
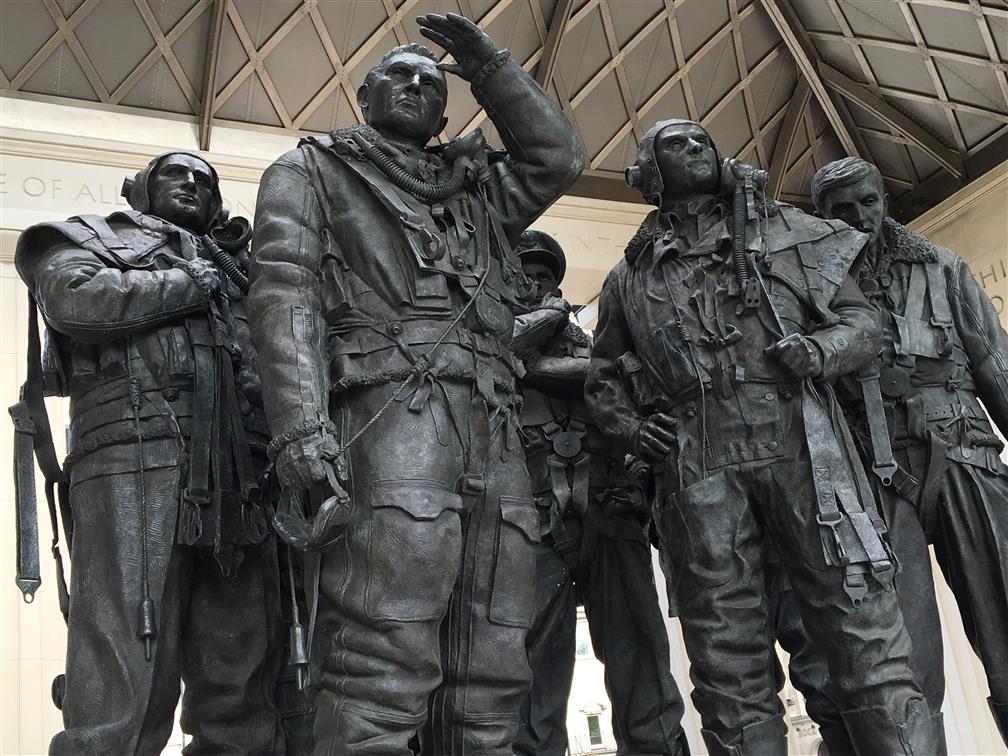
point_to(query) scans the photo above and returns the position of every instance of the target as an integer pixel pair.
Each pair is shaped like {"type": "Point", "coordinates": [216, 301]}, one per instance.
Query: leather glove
{"type": "Point", "coordinates": [203, 272]}
{"type": "Point", "coordinates": [654, 437]}
{"type": "Point", "coordinates": [468, 44]}
{"type": "Point", "coordinates": [800, 355]}
{"type": "Point", "coordinates": [306, 461]}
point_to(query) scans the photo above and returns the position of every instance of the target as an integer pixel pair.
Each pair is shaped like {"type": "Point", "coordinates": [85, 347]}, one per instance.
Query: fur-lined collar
{"type": "Point", "coordinates": [642, 239]}
{"type": "Point", "coordinates": [576, 335]}
{"type": "Point", "coordinates": [904, 245]}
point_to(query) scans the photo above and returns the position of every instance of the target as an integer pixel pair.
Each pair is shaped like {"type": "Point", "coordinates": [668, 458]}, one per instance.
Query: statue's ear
{"type": "Point", "coordinates": [441, 124]}
{"type": "Point", "coordinates": [362, 91]}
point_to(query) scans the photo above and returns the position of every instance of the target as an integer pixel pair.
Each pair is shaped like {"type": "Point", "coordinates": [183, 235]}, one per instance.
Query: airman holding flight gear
{"type": "Point", "coordinates": [174, 575]}
{"type": "Point", "coordinates": [917, 418]}
{"type": "Point", "coordinates": [593, 521]}
{"type": "Point", "coordinates": [739, 312]}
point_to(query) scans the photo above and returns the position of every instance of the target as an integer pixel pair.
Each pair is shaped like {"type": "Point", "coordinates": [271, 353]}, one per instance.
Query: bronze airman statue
{"type": "Point", "coordinates": [174, 573]}
{"type": "Point", "coordinates": [384, 286]}
{"type": "Point", "coordinates": [594, 522]}
{"type": "Point", "coordinates": [917, 417]}
{"type": "Point", "coordinates": [718, 336]}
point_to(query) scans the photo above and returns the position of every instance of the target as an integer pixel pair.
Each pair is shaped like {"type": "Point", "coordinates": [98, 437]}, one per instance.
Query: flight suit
{"type": "Point", "coordinates": [594, 551]}
{"type": "Point", "coordinates": [156, 368]}
{"type": "Point", "coordinates": [944, 351]}
{"type": "Point", "coordinates": [758, 452]}
{"type": "Point", "coordinates": [381, 314]}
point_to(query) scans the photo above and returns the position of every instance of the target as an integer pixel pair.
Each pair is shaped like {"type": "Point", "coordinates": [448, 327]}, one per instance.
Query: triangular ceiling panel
{"type": "Point", "coordinates": [350, 24]}
{"type": "Point", "coordinates": [61, 75]}
{"type": "Point", "coordinates": [158, 90]}
{"type": "Point", "coordinates": [758, 37]}
{"type": "Point", "coordinates": [249, 103]}
{"type": "Point", "coordinates": [608, 114]}
{"type": "Point", "coordinates": [943, 27]}
{"type": "Point", "coordinates": [190, 50]}
{"type": "Point", "coordinates": [729, 129]}
{"type": "Point", "coordinates": [116, 39]}
{"type": "Point", "coordinates": [898, 69]}
{"type": "Point", "coordinates": [699, 21]}
{"type": "Point", "coordinates": [232, 55]}
{"type": "Point", "coordinates": [718, 73]}
{"type": "Point", "coordinates": [999, 31]}
{"type": "Point", "coordinates": [977, 128]}
{"type": "Point", "coordinates": [816, 17]}
{"type": "Point", "coordinates": [67, 7]}
{"type": "Point", "coordinates": [622, 155]}
{"type": "Point", "coordinates": [630, 18]}
{"type": "Point", "coordinates": [301, 63]}
{"type": "Point", "coordinates": [772, 89]}
{"type": "Point", "coordinates": [647, 66]}
{"type": "Point", "coordinates": [168, 14]}
{"type": "Point", "coordinates": [261, 19]}
{"type": "Point", "coordinates": [973, 85]}
{"type": "Point", "coordinates": [24, 29]}
{"type": "Point", "coordinates": [589, 56]}
{"type": "Point", "coordinates": [671, 105]}
{"type": "Point", "coordinates": [870, 18]}
{"type": "Point", "coordinates": [334, 112]}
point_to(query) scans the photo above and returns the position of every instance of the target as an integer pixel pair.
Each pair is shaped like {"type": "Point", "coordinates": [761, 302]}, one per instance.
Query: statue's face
{"type": "Point", "coordinates": [687, 161]}
{"type": "Point", "coordinates": [182, 192]}
{"type": "Point", "coordinates": [406, 97]}
{"type": "Point", "coordinates": [861, 205]}
{"type": "Point", "coordinates": [543, 277]}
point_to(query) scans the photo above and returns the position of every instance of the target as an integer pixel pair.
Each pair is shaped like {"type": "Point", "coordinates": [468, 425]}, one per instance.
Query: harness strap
{"type": "Point", "coordinates": [884, 465]}
{"type": "Point", "coordinates": [941, 313]}
{"type": "Point", "coordinates": [31, 420]}
{"type": "Point", "coordinates": [104, 232]}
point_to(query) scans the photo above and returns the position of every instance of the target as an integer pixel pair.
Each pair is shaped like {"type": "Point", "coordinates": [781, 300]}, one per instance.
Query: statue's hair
{"type": "Point", "coordinates": [843, 172]}
{"type": "Point", "coordinates": [412, 48]}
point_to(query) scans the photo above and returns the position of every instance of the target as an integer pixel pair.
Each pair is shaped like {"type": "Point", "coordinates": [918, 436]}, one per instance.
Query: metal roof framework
{"type": "Point", "coordinates": [920, 87]}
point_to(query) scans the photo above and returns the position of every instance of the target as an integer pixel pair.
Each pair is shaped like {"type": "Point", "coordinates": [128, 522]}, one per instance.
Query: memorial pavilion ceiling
{"type": "Point", "coordinates": [919, 87]}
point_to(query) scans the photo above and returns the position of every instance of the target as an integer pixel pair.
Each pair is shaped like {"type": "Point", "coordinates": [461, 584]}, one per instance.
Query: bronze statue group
{"type": "Point", "coordinates": [347, 477]}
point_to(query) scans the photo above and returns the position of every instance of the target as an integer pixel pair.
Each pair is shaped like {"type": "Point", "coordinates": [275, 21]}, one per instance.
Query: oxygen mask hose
{"type": "Point", "coordinates": [424, 190]}
{"type": "Point", "coordinates": [226, 263]}
{"type": "Point", "coordinates": [744, 210]}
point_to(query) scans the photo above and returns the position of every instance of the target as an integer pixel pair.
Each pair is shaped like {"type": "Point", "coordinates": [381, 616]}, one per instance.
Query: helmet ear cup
{"type": "Point", "coordinates": [632, 174]}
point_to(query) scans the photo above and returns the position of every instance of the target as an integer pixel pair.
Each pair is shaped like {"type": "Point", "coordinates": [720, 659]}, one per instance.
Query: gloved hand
{"type": "Point", "coordinates": [306, 461]}
{"type": "Point", "coordinates": [655, 437]}
{"type": "Point", "coordinates": [799, 354]}
{"type": "Point", "coordinates": [203, 272]}
{"type": "Point", "coordinates": [468, 44]}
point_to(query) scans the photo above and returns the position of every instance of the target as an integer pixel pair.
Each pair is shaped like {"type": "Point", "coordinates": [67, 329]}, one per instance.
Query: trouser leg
{"type": "Point", "coordinates": [867, 646]}
{"type": "Point", "coordinates": [629, 636]}
{"type": "Point", "coordinates": [714, 554]}
{"type": "Point", "coordinates": [116, 700]}
{"type": "Point", "coordinates": [807, 667]}
{"type": "Point", "coordinates": [231, 656]}
{"type": "Point", "coordinates": [543, 725]}
{"type": "Point", "coordinates": [971, 544]}
{"type": "Point", "coordinates": [385, 582]}
{"type": "Point", "coordinates": [486, 672]}
{"type": "Point", "coordinates": [915, 593]}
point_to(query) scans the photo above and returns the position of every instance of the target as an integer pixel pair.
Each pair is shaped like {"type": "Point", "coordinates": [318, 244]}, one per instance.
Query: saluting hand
{"type": "Point", "coordinates": [468, 44]}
